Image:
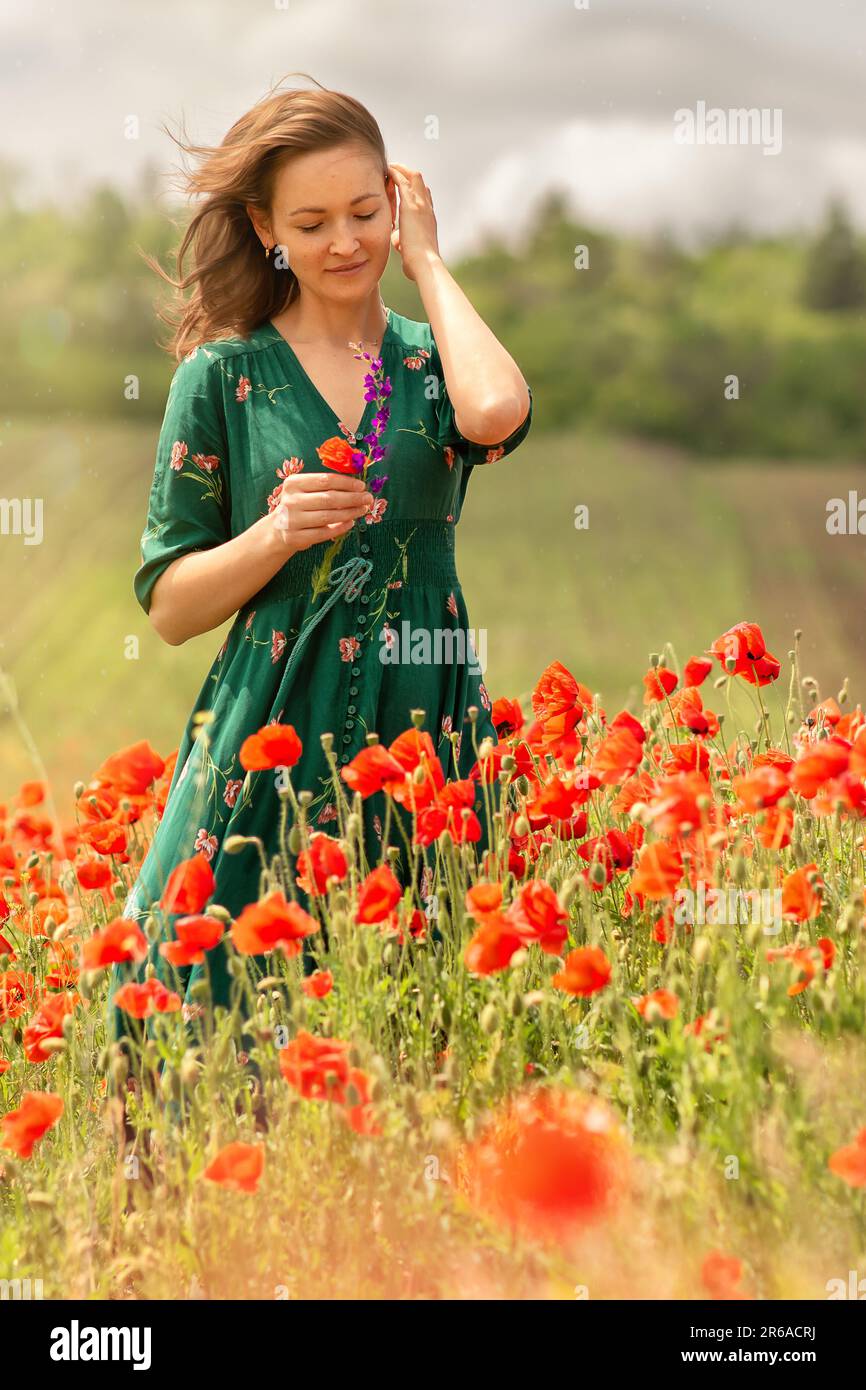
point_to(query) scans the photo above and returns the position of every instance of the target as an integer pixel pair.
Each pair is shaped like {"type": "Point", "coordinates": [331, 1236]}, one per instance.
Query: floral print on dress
{"type": "Point", "coordinates": [206, 844]}
{"type": "Point", "coordinates": [207, 464]}
{"type": "Point", "coordinates": [349, 647]}
{"type": "Point", "coordinates": [232, 791]}
{"type": "Point", "coordinates": [377, 511]}
{"type": "Point", "coordinates": [278, 645]}
{"type": "Point", "coordinates": [416, 360]}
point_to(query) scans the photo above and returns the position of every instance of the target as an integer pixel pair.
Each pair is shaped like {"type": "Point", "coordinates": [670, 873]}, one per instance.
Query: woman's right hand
{"type": "Point", "coordinates": [316, 507]}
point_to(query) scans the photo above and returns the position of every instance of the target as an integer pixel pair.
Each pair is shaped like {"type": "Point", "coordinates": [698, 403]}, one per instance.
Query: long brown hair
{"type": "Point", "coordinates": [231, 287]}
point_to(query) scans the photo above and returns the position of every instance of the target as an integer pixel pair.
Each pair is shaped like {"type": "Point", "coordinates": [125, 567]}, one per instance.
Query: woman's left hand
{"type": "Point", "coordinates": [415, 236]}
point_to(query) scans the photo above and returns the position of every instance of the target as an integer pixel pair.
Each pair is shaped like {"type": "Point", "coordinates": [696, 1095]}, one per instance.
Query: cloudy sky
{"type": "Point", "coordinates": [529, 95]}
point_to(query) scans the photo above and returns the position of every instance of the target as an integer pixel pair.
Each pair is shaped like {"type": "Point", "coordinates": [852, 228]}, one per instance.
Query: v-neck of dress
{"type": "Point", "coordinates": [314, 388]}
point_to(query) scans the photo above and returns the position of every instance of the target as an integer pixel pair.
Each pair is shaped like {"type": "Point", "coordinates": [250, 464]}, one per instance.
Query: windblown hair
{"type": "Point", "coordinates": [230, 286]}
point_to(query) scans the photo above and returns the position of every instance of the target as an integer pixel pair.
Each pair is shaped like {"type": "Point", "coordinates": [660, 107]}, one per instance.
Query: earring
{"type": "Point", "coordinates": [267, 252]}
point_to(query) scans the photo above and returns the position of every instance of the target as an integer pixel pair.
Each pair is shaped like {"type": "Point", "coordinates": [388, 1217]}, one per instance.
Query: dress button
{"type": "Point", "coordinates": [356, 671]}
{"type": "Point", "coordinates": [344, 757]}
{"type": "Point", "coordinates": [359, 636]}
{"type": "Point", "coordinates": [365, 549]}
{"type": "Point", "coordinates": [350, 724]}
{"type": "Point", "coordinates": [361, 619]}
{"type": "Point", "coordinates": [353, 690]}
{"type": "Point", "coordinates": [365, 598]}
{"type": "Point", "coordinates": [347, 738]}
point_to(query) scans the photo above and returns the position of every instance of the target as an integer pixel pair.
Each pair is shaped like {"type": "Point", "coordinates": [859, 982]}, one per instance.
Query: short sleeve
{"type": "Point", "coordinates": [450, 437]}
{"type": "Point", "coordinates": [189, 507]}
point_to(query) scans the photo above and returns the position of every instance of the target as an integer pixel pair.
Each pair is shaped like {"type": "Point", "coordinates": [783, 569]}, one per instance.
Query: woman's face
{"type": "Point", "coordinates": [333, 208]}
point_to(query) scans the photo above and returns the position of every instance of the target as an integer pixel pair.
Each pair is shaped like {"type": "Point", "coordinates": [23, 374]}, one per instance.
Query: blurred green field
{"type": "Point", "coordinates": [677, 549]}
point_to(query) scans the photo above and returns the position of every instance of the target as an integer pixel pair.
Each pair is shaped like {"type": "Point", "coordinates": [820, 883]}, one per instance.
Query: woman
{"type": "Point", "coordinates": [310, 472]}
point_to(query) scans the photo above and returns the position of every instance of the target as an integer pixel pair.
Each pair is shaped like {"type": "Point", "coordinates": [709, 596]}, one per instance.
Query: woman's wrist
{"type": "Point", "coordinates": [275, 541]}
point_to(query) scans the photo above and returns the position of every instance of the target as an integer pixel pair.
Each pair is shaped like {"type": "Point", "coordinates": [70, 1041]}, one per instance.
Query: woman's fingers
{"type": "Point", "coordinates": [314, 520]}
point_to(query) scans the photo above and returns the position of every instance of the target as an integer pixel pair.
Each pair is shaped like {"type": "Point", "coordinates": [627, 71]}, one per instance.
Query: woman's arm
{"type": "Point", "coordinates": [485, 385]}
{"type": "Point", "coordinates": [488, 394]}
{"type": "Point", "coordinates": [203, 588]}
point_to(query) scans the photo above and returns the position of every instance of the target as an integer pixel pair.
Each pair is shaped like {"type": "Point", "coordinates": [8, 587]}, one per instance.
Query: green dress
{"type": "Point", "coordinates": [241, 415]}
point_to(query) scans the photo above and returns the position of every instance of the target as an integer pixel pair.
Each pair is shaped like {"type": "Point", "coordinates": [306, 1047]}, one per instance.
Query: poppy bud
{"type": "Point", "coordinates": [169, 1084]}
{"type": "Point", "coordinates": [78, 790]}
{"type": "Point", "coordinates": [234, 843]}
{"type": "Point", "coordinates": [221, 914]}
{"type": "Point", "coordinates": [418, 716]}
{"type": "Point", "coordinates": [472, 713]}
{"type": "Point", "coordinates": [296, 842]}
{"type": "Point", "coordinates": [372, 740]}
{"type": "Point", "coordinates": [488, 1019]}
{"type": "Point", "coordinates": [190, 1068]}
{"type": "Point", "coordinates": [701, 949]}
{"type": "Point", "coordinates": [327, 742]}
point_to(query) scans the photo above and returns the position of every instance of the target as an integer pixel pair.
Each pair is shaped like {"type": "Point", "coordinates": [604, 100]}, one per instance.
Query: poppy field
{"type": "Point", "coordinates": [617, 1054]}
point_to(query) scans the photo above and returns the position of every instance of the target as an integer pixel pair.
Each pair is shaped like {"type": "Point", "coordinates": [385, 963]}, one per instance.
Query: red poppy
{"type": "Point", "coordinates": [145, 1000]}
{"type": "Point", "coordinates": [659, 870]}
{"type": "Point", "coordinates": [237, 1166]}
{"type": "Point", "coordinates": [802, 894]}
{"type": "Point", "coordinates": [194, 935]}
{"type": "Point", "coordinates": [721, 1275]}
{"type": "Point", "coordinates": [587, 970]}
{"type": "Point", "coordinates": [189, 886]}
{"type": "Point", "coordinates": [358, 1110]}
{"type": "Point", "coordinates": [272, 922]}
{"type": "Point", "coordinates": [849, 1162]}
{"type": "Point", "coordinates": [93, 873]}
{"type": "Point", "coordinates": [132, 770]}
{"type": "Point", "coordinates": [373, 770]}
{"type": "Point", "coordinates": [537, 915]}
{"type": "Point", "coordinates": [761, 787]}
{"type": "Point", "coordinates": [483, 899]}
{"type": "Point", "coordinates": [821, 762]}
{"type": "Point", "coordinates": [22, 1128]}
{"type": "Point", "coordinates": [741, 651]}
{"type": "Point", "coordinates": [273, 746]}
{"type": "Point", "coordinates": [336, 453]}
{"type": "Point", "coordinates": [662, 1003]}
{"type": "Point", "coordinates": [550, 1160]}
{"type": "Point", "coordinates": [316, 1067]}
{"type": "Point", "coordinates": [18, 990]}
{"type": "Point", "coordinates": [696, 670]}
{"type": "Point", "coordinates": [507, 717]}
{"type": "Point", "coordinates": [120, 940]}
{"type": "Point", "coordinates": [658, 683]}
{"type": "Point", "coordinates": [492, 945]}
{"type": "Point", "coordinates": [378, 895]}
{"type": "Point", "coordinates": [318, 985]}
{"type": "Point", "coordinates": [323, 863]}
{"type": "Point", "coordinates": [47, 1023]}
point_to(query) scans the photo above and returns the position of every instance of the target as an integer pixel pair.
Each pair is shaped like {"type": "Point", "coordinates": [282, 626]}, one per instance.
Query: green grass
{"type": "Point", "coordinates": [677, 550]}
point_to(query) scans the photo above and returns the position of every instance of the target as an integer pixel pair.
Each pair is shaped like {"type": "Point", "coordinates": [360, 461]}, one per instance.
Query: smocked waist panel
{"type": "Point", "coordinates": [410, 553]}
